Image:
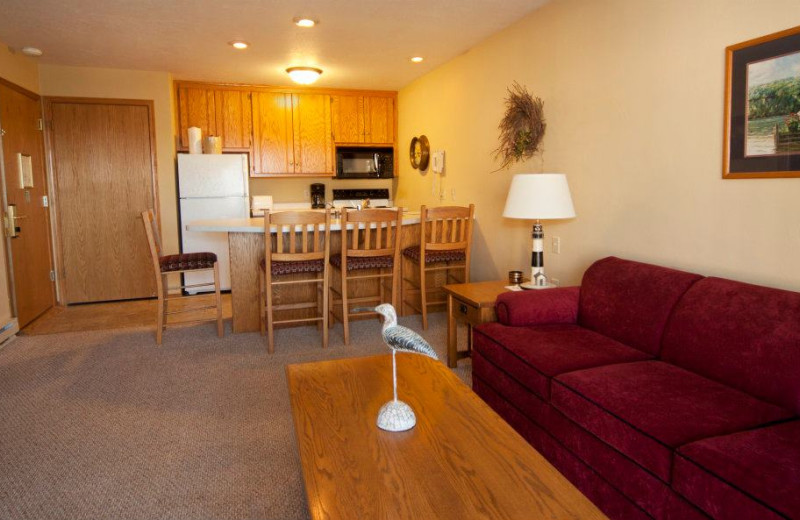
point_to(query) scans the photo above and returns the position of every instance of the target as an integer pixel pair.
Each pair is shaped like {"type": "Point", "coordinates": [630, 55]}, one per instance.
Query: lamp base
{"type": "Point", "coordinates": [396, 416]}
{"type": "Point", "coordinates": [530, 285]}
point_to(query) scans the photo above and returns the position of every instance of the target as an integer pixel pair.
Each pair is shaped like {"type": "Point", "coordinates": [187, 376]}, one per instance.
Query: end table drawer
{"type": "Point", "coordinates": [467, 312]}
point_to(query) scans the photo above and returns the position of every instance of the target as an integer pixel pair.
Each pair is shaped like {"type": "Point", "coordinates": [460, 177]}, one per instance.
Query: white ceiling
{"type": "Point", "coordinates": [358, 43]}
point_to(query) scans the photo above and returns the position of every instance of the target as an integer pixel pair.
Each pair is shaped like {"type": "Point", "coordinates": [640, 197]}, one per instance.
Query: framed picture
{"type": "Point", "coordinates": [762, 107]}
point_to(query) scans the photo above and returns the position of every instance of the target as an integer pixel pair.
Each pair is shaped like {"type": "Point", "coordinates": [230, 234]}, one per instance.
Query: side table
{"type": "Point", "coordinates": [472, 303]}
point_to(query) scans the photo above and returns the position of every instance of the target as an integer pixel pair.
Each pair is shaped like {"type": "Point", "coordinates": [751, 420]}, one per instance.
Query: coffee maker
{"type": "Point", "coordinates": [317, 196]}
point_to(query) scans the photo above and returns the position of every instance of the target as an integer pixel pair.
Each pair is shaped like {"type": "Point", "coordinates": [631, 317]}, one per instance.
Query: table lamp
{"type": "Point", "coordinates": [538, 196]}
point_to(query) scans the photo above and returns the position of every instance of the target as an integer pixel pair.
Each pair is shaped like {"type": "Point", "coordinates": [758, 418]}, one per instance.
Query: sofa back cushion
{"type": "Point", "coordinates": [631, 301]}
{"type": "Point", "coordinates": [745, 336]}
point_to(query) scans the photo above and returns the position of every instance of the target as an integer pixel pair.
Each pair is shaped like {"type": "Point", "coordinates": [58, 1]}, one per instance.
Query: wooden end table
{"type": "Point", "coordinates": [472, 303]}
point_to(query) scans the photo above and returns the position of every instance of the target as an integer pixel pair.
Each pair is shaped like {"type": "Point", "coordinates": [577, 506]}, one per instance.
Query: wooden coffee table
{"type": "Point", "coordinates": [460, 461]}
{"type": "Point", "coordinates": [473, 303]}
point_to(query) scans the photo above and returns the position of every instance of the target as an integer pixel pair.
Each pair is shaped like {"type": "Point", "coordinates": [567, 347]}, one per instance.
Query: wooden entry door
{"type": "Point", "coordinates": [31, 258]}
{"type": "Point", "coordinates": [103, 162]}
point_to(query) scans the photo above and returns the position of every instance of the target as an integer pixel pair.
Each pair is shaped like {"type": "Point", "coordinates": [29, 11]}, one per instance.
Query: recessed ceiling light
{"type": "Point", "coordinates": [304, 75]}
{"type": "Point", "coordinates": [304, 22]}
{"type": "Point", "coordinates": [31, 51]}
{"type": "Point", "coordinates": [417, 59]}
{"type": "Point", "coordinates": [239, 44]}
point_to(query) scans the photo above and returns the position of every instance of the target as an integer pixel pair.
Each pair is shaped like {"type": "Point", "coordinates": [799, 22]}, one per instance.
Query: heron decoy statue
{"type": "Point", "coordinates": [397, 416]}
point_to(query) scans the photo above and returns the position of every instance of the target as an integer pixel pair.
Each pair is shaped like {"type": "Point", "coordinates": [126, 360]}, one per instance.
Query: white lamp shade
{"type": "Point", "coordinates": [539, 196]}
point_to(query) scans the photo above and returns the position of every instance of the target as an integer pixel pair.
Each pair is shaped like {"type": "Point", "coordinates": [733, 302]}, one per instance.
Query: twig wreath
{"type": "Point", "coordinates": [522, 128]}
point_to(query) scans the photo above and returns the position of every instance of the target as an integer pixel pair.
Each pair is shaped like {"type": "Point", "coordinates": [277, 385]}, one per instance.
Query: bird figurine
{"type": "Point", "coordinates": [397, 416]}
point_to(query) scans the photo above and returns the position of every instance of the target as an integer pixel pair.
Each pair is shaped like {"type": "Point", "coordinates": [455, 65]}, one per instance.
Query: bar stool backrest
{"type": "Point", "coordinates": [446, 228]}
{"type": "Point", "coordinates": [376, 232]}
{"type": "Point", "coordinates": [301, 236]}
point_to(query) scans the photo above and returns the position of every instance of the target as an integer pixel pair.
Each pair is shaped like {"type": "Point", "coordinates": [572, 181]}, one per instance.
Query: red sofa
{"type": "Point", "coordinates": [659, 393]}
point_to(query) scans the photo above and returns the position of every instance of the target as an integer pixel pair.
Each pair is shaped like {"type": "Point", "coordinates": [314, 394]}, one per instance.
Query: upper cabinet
{"type": "Point", "coordinates": [195, 108]}
{"type": "Point", "coordinates": [313, 146]}
{"type": "Point", "coordinates": [287, 131]}
{"type": "Point", "coordinates": [292, 134]}
{"type": "Point", "coordinates": [363, 118]}
{"type": "Point", "coordinates": [273, 144]}
{"type": "Point", "coordinates": [216, 111]}
{"type": "Point", "coordinates": [234, 118]}
{"type": "Point", "coordinates": [379, 119]}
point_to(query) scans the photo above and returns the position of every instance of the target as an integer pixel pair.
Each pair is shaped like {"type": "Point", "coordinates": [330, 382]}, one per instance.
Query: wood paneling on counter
{"type": "Point", "coordinates": [247, 250]}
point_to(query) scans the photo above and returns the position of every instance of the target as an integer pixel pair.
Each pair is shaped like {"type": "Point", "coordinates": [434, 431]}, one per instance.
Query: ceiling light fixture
{"type": "Point", "coordinates": [31, 51]}
{"type": "Point", "coordinates": [417, 59]}
{"type": "Point", "coordinates": [304, 75]}
{"type": "Point", "coordinates": [304, 22]}
{"type": "Point", "coordinates": [239, 44]}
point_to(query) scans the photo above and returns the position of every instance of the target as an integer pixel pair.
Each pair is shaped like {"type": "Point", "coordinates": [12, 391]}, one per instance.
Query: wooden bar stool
{"type": "Point", "coordinates": [370, 251]}
{"type": "Point", "coordinates": [301, 248]}
{"type": "Point", "coordinates": [445, 243]}
{"type": "Point", "coordinates": [181, 263]}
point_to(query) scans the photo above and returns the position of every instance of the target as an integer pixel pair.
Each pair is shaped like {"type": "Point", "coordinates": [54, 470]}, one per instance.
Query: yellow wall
{"type": "Point", "coordinates": [19, 69]}
{"type": "Point", "coordinates": [633, 97]}
{"type": "Point", "coordinates": [130, 84]}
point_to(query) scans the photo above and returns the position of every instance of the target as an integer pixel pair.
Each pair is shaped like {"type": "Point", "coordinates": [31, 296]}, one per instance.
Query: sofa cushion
{"type": "Point", "coordinates": [734, 476]}
{"type": "Point", "coordinates": [533, 355]}
{"type": "Point", "coordinates": [743, 335]}
{"type": "Point", "coordinates": [647, 409]}
{"type": "Point", "coordinates": [639, 485]}
{"type": "Point", "coordinates": [610, 501]}
{"type": "Point", "coordinates": [631, 301]}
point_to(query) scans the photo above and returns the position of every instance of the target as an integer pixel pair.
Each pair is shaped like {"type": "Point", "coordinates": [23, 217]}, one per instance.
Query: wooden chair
{"type": "Point", "coordinates": [370, 251]}
{"type": "Point", "coordinates": [445, 243]}
{"type": "Point", "coordinates": [300, 248]}
{"type": "Point", "coordinates": [180, 263]}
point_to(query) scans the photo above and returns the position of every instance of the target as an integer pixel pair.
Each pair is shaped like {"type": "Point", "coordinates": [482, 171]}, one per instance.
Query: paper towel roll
{"type": "Point", "coordinates": [212, 144]}
{"type": "Point", "coordinates": [195, 140]}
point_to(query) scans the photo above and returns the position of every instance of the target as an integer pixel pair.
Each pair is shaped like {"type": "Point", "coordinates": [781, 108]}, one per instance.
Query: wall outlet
{"type": "Point", "coordinates": [453, 193]}
{"type": "Point", "coordinates": [306, 194]}
{"type": "Point", "coordinates": [556, 245]}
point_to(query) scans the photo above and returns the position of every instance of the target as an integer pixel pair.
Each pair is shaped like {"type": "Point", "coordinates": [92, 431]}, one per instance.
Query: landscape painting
{"type": "Point", "coordinates": [761, 136]}
{"type": "Point", "coordinates": [773, 106]}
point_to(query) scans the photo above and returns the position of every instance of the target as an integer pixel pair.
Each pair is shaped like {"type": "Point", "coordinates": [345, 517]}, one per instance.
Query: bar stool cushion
{"type": "Point", "coordinates": [307, 266]}
{"type": "Point", "coordinates": [364, 262]}
{"type": "Point", "coordinates": [187, 261]}
{"type": "Point", "coordinates": [433, 257]}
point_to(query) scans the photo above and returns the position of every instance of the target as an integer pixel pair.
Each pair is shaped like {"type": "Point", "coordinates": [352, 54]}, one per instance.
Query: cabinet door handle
{"type": "Point", "coordinates": [462, 308]}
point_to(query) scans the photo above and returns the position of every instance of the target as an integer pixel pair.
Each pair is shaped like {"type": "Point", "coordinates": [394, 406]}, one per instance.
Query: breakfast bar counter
{"type": "Point", "coordinates": [246, 242]}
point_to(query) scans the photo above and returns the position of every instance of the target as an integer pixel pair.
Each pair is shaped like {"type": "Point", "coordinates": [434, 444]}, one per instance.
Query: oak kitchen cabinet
{"type": "Point", "coordinates": [363, 119]}
{"type": "Point", "coordinates": [226, 112]}
{"type": "Point", "coordinates": [287, 131]}
{"type": "Point", "coordinates": [291, 134]}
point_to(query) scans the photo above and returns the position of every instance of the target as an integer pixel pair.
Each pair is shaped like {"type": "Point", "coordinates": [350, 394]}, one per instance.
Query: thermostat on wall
{"type": "Point", "coordinates": [438, 161]}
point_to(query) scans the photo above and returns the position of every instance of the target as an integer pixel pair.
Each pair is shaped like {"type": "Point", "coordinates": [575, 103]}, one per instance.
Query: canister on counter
{"type": "Point", "coordinates": [212, 144]}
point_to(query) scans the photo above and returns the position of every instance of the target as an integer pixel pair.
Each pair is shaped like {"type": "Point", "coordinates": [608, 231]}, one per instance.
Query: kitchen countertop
{"type": "Point", "coordinates": [256, 225]}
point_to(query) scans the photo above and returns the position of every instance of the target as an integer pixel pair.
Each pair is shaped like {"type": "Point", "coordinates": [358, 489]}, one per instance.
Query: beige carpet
{"type": "Point", "coordinates": [105, 425]}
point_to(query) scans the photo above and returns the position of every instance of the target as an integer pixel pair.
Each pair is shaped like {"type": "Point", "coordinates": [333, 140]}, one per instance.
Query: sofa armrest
{"type": "Point", "coordinates": [538, 306]}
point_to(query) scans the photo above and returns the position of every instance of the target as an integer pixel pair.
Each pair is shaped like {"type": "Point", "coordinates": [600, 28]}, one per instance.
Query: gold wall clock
{"type": "Point", "coordinates": [420, 152]}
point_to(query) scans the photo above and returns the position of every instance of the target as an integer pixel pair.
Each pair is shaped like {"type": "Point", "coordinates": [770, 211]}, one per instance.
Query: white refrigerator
{"type": "Point", "coordinates": [211, 186]}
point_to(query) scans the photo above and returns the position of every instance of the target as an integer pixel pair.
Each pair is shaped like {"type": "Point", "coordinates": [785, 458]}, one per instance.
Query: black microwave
{"type": "Point", "coordinates": [353, 162]}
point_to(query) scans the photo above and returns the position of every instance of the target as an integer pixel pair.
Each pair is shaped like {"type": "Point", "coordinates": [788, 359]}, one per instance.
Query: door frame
{"type": "Point", "coordinates": [55, 222]}
{"type": "Point", "coordinates": [9, 259]}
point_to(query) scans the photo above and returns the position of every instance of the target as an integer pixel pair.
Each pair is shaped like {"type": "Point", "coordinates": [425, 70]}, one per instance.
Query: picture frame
{"type": "Point", "coordinates": [762, 107]}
